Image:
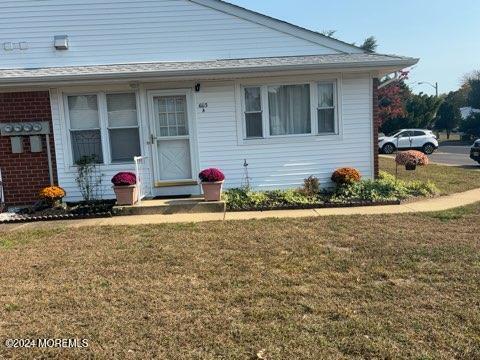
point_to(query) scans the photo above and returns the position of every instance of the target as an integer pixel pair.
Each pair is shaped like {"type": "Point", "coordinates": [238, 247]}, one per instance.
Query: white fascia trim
{"type": "Point", "coordinates": [392, 65]}
{"type": "Point", "coordinates": [280, 25]}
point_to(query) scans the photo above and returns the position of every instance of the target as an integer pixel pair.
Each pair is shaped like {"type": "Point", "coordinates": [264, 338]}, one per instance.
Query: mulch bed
{"type": "Point", "coordinates": [71, 211]}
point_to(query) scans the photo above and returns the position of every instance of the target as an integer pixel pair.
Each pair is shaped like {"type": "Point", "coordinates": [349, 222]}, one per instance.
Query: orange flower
{"type": "Point", "coordinates": [52, 193]}
{"type": "Point", "coordinates": [346, 176]}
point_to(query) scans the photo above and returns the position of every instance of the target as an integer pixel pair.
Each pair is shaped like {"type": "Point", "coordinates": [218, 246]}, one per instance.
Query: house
{"type": "Point", "coordinates": [468, 111]}
{"type": "Point", "coordinates": [184, 84]}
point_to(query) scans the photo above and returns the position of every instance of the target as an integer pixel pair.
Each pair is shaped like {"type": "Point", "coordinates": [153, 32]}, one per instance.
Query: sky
{"type": "Point", "coordinates": [444, 34]}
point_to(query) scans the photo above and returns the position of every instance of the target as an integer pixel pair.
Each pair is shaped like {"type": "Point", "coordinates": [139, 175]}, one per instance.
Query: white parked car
{"type": "Point", "coordinates": [409, 139]}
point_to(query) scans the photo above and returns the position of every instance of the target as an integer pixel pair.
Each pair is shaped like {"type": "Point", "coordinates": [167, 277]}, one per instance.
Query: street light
{"type": "Point", "coordinates": [432, 85]}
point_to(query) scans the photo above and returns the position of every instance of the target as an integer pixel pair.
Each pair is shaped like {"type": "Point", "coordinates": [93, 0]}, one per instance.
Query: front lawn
{"type": "Point", "coordinates": [449, 179]}
{"type": "Point", "coordinates": [397, 286]}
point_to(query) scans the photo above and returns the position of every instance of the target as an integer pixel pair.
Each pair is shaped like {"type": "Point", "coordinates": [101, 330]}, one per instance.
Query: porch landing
{"type": "Point", "coordinates": [193, 205]}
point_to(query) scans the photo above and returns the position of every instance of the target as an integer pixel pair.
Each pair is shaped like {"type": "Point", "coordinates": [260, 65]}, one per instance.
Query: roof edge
{"type": "Point", "coordinates": [280, 25]}
{"type": "Point", "coordinates": [394, 65]}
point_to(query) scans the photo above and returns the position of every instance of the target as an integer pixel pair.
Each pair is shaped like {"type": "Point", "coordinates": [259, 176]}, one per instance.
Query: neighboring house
{"type": "Point", "coordinates": [467, 111]}
{"type": "Point", "coordinates": [187, 84]}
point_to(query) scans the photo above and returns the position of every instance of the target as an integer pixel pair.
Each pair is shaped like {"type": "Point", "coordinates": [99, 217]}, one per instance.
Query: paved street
{"type": "Point", "coordinates": [455, 155]}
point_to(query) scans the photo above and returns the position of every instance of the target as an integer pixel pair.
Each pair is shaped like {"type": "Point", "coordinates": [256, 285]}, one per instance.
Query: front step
{"type": "Point", "coordinates": [172, 206]}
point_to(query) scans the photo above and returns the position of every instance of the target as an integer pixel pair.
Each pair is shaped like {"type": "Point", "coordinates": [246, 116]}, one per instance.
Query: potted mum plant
{"type": "Point", "coordinates": [125, 187]}
{"type": "Point", "coordinates": [52, 195]}
{"type": "Point", "coordinates": [411, 159]}
{"type": "Point", "coordinates": [212, 183]}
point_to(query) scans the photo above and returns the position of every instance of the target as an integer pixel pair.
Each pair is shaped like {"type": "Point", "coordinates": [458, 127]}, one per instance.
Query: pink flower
{"type": "Point", "coordinates": [411, 157]}
{"type": "Point", "coordinates": [124, 179]}
{"type": "Point", "coordinates": [211, 175]}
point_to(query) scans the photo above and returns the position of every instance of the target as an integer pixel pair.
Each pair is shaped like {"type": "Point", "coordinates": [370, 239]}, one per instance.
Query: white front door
{"type": "Point", "coordinates": [171, 139]}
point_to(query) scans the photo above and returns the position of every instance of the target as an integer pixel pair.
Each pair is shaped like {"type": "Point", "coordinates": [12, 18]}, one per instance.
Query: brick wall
{"type": "Point", "coordinates": [376, 123]}
{"type": "Point", "coordinates": [25, 174]}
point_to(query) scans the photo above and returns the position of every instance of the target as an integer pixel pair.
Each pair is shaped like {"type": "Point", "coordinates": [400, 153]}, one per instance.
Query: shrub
{"type": "Point", "coordinates": [242, 199]}
{"type": "Point", "coordinates": [89, 178]}
{"type": "Point", "coordinates": [384, 189]}
{"type": "Point", "coordinates": [346, 176]}
{"type": "Point", "coordinates": [51, 194]}
{"type": "Point", "coordinates": [311, 186]}
{"type": "Point", "coordinates": [211, 175]}
{"type": "Point", "coordinates": [124, 179]}
{"type": "Point", "coordinates": [411, 157]}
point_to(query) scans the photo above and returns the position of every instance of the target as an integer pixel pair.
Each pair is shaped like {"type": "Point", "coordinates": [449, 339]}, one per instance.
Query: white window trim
{"type": "Point", "coordinates": [314, 80]}
{"type": "Point", "coordinates": [104, 128]}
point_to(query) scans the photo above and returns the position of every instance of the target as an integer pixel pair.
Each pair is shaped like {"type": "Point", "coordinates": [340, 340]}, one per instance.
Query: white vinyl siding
{"type": "Point", "coordinates": [285, 161]}
{"type": "Point", "coordinates": [131, 31]}
{"type": "Point", "coordinates": [282, 163]}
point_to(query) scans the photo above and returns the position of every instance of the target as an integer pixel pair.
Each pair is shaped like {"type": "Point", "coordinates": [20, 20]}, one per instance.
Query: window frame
{"type": "Point", "coordinates": [108, 127]}
{"type": "Point", "coordinates": [334, 107]}
{"type": "Point", "coordinates": [261, 112]}
{"type": "Point", "coordinates": [103, 122]}
{"type": "Point", "coordinates": [313, 82]}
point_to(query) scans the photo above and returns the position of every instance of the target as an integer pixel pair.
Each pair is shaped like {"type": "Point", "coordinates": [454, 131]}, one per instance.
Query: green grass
{"type": "Point", "coordinates": [357, 287]}
{"type": "Point", "coordinates": [449, 179]}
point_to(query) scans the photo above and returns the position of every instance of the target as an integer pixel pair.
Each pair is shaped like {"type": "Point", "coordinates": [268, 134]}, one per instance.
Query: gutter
{"type": "Point", "coordinates": [396, 64]}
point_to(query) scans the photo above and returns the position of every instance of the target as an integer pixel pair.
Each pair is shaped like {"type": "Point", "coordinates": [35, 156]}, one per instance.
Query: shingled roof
{"type": "Point", "coordinates": [215, 67]}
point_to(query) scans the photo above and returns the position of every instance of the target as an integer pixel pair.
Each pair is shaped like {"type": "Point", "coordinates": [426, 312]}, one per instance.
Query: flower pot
{"type": "Point", "coordinates": [126, 195]}
{"type": "Point", "coordinates": [410, 167]}
{"type": "Point", "coordinates": [212, 190]}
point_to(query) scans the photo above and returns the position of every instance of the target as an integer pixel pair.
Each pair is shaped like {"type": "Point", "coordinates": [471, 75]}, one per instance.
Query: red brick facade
{"type": "Point", "coordinates": [376, 124]}
{"type": "Point", "coordinates": [25, 174]}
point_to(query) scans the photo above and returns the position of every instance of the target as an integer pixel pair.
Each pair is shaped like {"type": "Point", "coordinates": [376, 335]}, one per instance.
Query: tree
{"type": "Point", "coordinates": [369, 44]}
{"type": "Point", "coordinates": [473, 99]}
{"type": "Point", "coordinates": [471, 126]}
{"type": "Point", "coordinates": [328, 33]}
{"type": "Point", "coordinates": [448, 116]}
{"type": "Point", "coordinates": [420, 112]}
{"type": "Point", "coordinates": [391, 101]}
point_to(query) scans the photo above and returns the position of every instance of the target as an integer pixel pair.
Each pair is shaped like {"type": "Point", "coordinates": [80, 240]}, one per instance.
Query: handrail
{"type": "Point", "coordinates": [140, 163]}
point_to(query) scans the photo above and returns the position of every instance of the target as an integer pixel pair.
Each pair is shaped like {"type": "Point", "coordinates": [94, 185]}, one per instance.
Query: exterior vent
{"type": "Point", "coordinates": [61, 42]}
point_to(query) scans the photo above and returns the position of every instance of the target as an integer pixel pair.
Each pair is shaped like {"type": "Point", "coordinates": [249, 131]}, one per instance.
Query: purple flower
{"type": "Point", "coordinates": [211, 175]}
{"type": "Point", "coordinates": [124, 179]}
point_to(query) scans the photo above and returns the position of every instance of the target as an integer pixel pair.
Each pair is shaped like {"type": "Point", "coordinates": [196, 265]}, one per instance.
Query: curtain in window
{"type": "Point", "coordinates": [85, 127]}
{"type": "Point", "coordinates": [289, 107]}
{"type": "Point", "coordinates": [326, 108]}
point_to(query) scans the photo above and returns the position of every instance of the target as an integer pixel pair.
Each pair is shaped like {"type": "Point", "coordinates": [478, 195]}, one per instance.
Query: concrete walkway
{"type": "Point", "coordinates": [436, 204]}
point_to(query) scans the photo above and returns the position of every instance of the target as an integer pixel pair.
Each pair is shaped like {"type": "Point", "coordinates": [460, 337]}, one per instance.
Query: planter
{"type": "Point", "coordinates": [410, 167]}
{"type": "Point", "coordinates": [126, 195]}
{"type": "Point", "coordinates": [212, 190]}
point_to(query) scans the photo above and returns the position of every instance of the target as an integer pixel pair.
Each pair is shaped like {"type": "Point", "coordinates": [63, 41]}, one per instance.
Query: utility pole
{"type": "Point", "coordinates": [435, 86]}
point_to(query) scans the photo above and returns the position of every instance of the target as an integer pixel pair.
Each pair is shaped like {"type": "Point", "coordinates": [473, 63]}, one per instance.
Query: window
{"type": "Point", "coordinates": [404, 134]}
{"type": "Point", "coordinates": [85, 127]}
{"type": "Point", "coordinates": [172, 115]}
{"type": "Point", "coordinates": [253, 113]}
{"type": "Point", "coordinates": [326, 108]}
{"type": "Point", "coordinates": [286, 110]}
{"type": "Point", "coordinates": [123, 127]}
{"type": "Point", "coordinates": [289, 109]}
{"type": "Point", "coordinates": [103, 126]}
{"type": "Point", "coordinates": [418, 133]}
